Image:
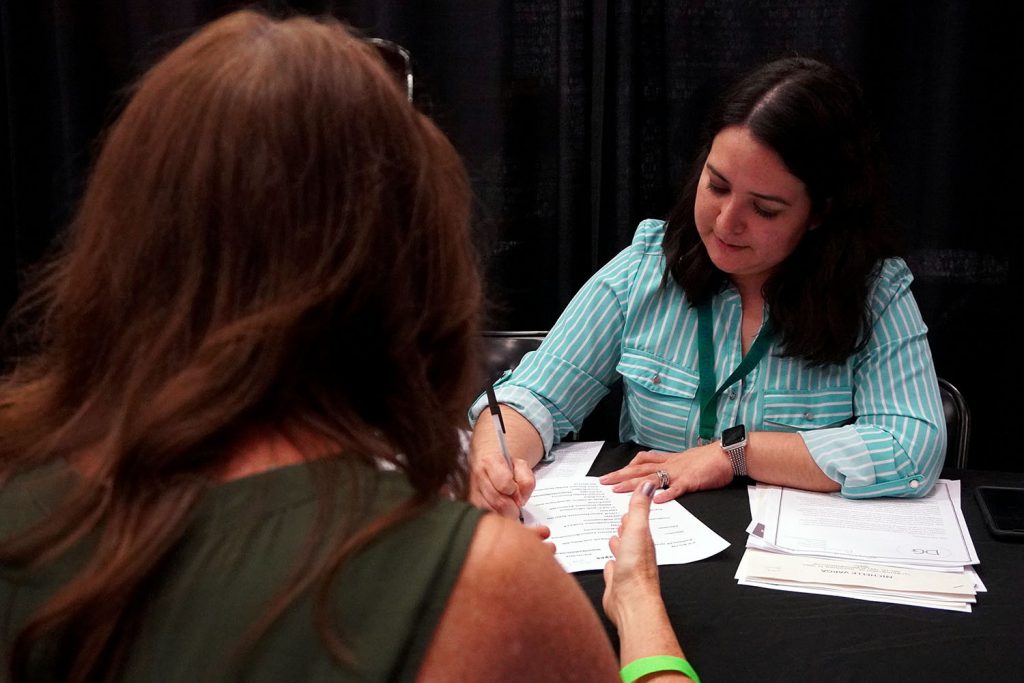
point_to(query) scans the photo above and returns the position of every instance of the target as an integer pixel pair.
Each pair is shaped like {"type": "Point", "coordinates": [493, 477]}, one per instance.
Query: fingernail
{"type": "Point", "coordinates": [604, 479]}
{"type": "Point", "coordinates": [648, 489]}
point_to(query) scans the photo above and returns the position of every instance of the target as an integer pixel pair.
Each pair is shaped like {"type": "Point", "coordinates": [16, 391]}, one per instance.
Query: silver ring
{"type": "Point", "coordinates": [663, 478]}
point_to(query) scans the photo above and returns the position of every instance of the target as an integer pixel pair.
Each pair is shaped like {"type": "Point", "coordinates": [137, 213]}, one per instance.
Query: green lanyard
{"type": "Point", "coordinates": [707, 395]}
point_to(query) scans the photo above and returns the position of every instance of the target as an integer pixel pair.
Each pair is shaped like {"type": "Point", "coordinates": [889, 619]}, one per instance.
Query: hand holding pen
{"type": "Point", "coordinates": [499, 428]}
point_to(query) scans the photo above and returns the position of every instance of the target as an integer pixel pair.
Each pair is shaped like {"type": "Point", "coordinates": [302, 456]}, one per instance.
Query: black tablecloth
{"type": "Point", "coordinates": [740, 633]}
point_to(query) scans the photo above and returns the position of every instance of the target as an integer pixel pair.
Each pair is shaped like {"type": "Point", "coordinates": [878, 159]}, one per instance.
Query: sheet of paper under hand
{"type": "Point", "coordinates": [583, 514]}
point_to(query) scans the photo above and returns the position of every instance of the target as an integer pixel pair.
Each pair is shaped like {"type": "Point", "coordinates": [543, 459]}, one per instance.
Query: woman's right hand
{"type": "Point", "coordinates": [494, 486]}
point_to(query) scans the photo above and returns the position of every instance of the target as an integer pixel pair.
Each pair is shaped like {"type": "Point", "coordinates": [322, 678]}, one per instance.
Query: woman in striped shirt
{"type": "Point", "coordinates": [812, 356]}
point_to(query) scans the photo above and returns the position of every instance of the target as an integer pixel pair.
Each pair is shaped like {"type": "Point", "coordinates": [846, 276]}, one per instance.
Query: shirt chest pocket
{"type": "Point", "coordinates": [659, 397]}
{"type": "Point", "coordinates": [789, 411]}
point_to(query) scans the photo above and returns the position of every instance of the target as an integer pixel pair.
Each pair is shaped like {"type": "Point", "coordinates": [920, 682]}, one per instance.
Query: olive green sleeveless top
{"type": "Point", "coordinates": [236, 556]}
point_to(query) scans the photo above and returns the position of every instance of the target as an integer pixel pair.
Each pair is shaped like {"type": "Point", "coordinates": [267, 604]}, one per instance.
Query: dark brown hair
{"type": "Point", "coordinates": [814, 117]}
{"type": "Point", "coordinates": [271, 236]}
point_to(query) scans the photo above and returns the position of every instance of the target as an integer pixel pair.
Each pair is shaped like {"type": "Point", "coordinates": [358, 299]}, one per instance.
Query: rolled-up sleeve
{"type": "Point", "coordinates": [897, 443]}
{"type": "Point", "coordinates": [558, 385]}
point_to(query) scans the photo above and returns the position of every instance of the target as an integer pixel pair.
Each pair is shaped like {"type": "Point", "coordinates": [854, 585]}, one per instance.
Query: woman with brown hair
{"type": "Point", "coordinates": [766, 328]}
{"type": "Point", "coordinates": [226, 442]}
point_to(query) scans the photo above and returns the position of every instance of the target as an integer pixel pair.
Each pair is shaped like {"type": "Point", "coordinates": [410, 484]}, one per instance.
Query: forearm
{"type": "Point", "coordinates": [897, 443]}
{"type": "Point", "coordinates": [782, 458]}
{"type": "Point", "coordinates": [522, 438]}
{"type": "Point", "coordinates": [645, 631]}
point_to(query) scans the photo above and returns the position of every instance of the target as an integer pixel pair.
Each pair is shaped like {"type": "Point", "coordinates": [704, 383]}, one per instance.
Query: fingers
{"type": "Point", "coordinates": [671, 493]}
{"type": "Point", "coordinates": [501, 478]}
{"type": "Point", "coordinates": [484, 496]}
{"type": "Point", "coordinates": [542, 533]}
{"type": "Point", "coordinates": [506, 507]}
{"type": "Point", "coordinates": [677, 488]}
{"type": "Point", "coordinates": [632, 473]}
{"type": "Point", "coordinates": [524, 480]}
{"type": "Point", "coordinates": [636, 519]}
{"type": "Point", "coordinates": [639, 477]}
{"type": "Point", "coordinates": [635, 532]}
{"type": "Point", "coordinates": [493, 487]}
{"type": "Point", "coordinates": [644, 457]}
{"type": "Point", "coordinates": [634, 571]}
{"type": "Point", "coordinates": [639, 505]}
{"type": "Point", "coordinates": [609, 576]}
{"type": "Point", "coordinates": [644, 464]}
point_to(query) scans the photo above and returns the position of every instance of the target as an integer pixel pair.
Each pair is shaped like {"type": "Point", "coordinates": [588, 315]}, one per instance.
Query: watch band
{"type": "Point", "coordinates": [738, 459]}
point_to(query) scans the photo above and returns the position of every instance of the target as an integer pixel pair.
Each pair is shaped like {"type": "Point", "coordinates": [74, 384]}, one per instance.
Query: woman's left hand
{"type": "Point", "coordinates": [696, 469]}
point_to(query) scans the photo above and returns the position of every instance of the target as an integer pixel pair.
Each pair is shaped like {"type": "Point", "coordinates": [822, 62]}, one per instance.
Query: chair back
{"type": "Point", "coordinates": [503, 350]}
{"type": "Point", "coordinates": [958, 424]}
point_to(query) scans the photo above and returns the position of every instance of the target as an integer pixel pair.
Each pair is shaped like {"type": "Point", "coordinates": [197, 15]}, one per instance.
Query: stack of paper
{"type": "Point", "coordinates": [583, 514]}
{"type": "Point", "coordinates": [910, 551]}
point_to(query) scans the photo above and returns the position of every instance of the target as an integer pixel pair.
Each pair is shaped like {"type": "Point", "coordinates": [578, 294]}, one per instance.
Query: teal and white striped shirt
{"type": "Point", "coordinates": [874, 424]}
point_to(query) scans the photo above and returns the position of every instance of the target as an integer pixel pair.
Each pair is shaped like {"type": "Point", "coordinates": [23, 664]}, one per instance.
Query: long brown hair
{"type": "Point", "coordinates": [814, 117]}
{"type": "Point", "coordinates": [271, 235]}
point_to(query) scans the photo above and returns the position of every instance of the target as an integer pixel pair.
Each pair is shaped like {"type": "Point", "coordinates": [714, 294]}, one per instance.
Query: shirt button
{"type": "Point", "coordinates": [656, 379]}
{"type": "Point", "coordinates": [732, 394]}
{"type": "Point", "coordinates": [808, 415]}
{"type": "Point", "coordinates": [914, 483]}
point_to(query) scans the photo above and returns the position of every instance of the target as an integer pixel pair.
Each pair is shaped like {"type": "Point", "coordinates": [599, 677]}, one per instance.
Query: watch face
{"type": "Point", "coordinates": [734, 436]}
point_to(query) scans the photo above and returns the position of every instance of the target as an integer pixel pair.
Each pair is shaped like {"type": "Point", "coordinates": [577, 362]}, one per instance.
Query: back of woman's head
{"type": "Point", "coordinates": [271, 236]}
{"type": "Point", "coordinates": [270, 231]}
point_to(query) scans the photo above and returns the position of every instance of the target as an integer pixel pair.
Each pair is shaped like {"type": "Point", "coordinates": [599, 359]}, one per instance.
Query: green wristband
{"type": "Point", "coordinates": [649, 665]}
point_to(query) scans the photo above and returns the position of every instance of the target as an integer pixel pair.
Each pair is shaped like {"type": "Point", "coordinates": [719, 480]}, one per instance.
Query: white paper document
{"type": "Point", "coordinates": [573, 459]}
{"type": "Point", "coordinates": [799, 569]}
{"type": "Point", "coordinates": [879, 596]}
{"type": "Point", "coordinates": [917, 531]}
{"type": "Point", "coordinates": [903, 551]}
{"type": "Point", "coordinates": [583, 514]}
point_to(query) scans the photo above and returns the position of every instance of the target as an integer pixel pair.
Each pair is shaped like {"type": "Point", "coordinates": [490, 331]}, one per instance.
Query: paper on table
{"type": "Point", "coordinates": [583, 514]}
{"type": "Point", "coordinates": [758, 494]}
{"type": "Point", "coordinates": [861, 595]}
{"type": "Point", "coordinates": [775, 567]}
{"type": "Point", "coordinates": [573, 459]}
{"type": "Point", "coordinates": [979, 586]}
{"type": "Point", "coordinates": [787, 570]}
{"type": "Point", "coordinates": [928, 530]}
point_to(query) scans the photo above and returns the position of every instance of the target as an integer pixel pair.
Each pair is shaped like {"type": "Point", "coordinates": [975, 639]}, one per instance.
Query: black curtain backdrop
{"type": "Point", "coordinates": [577, 119]}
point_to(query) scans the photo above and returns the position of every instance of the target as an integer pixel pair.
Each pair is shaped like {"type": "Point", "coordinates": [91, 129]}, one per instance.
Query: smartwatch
{"type": "Point", "coordinates": [734, 443]}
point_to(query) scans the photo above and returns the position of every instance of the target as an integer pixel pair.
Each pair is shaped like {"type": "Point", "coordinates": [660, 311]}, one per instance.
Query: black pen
{"type": "Point", "coordinates": [499, 427]}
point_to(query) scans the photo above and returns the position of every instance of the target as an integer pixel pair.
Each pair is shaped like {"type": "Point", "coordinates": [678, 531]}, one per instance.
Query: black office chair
{"type": "Point", "coordinates": [958, 424]}
{"type": "Point", "coordinates": [503, 350]}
